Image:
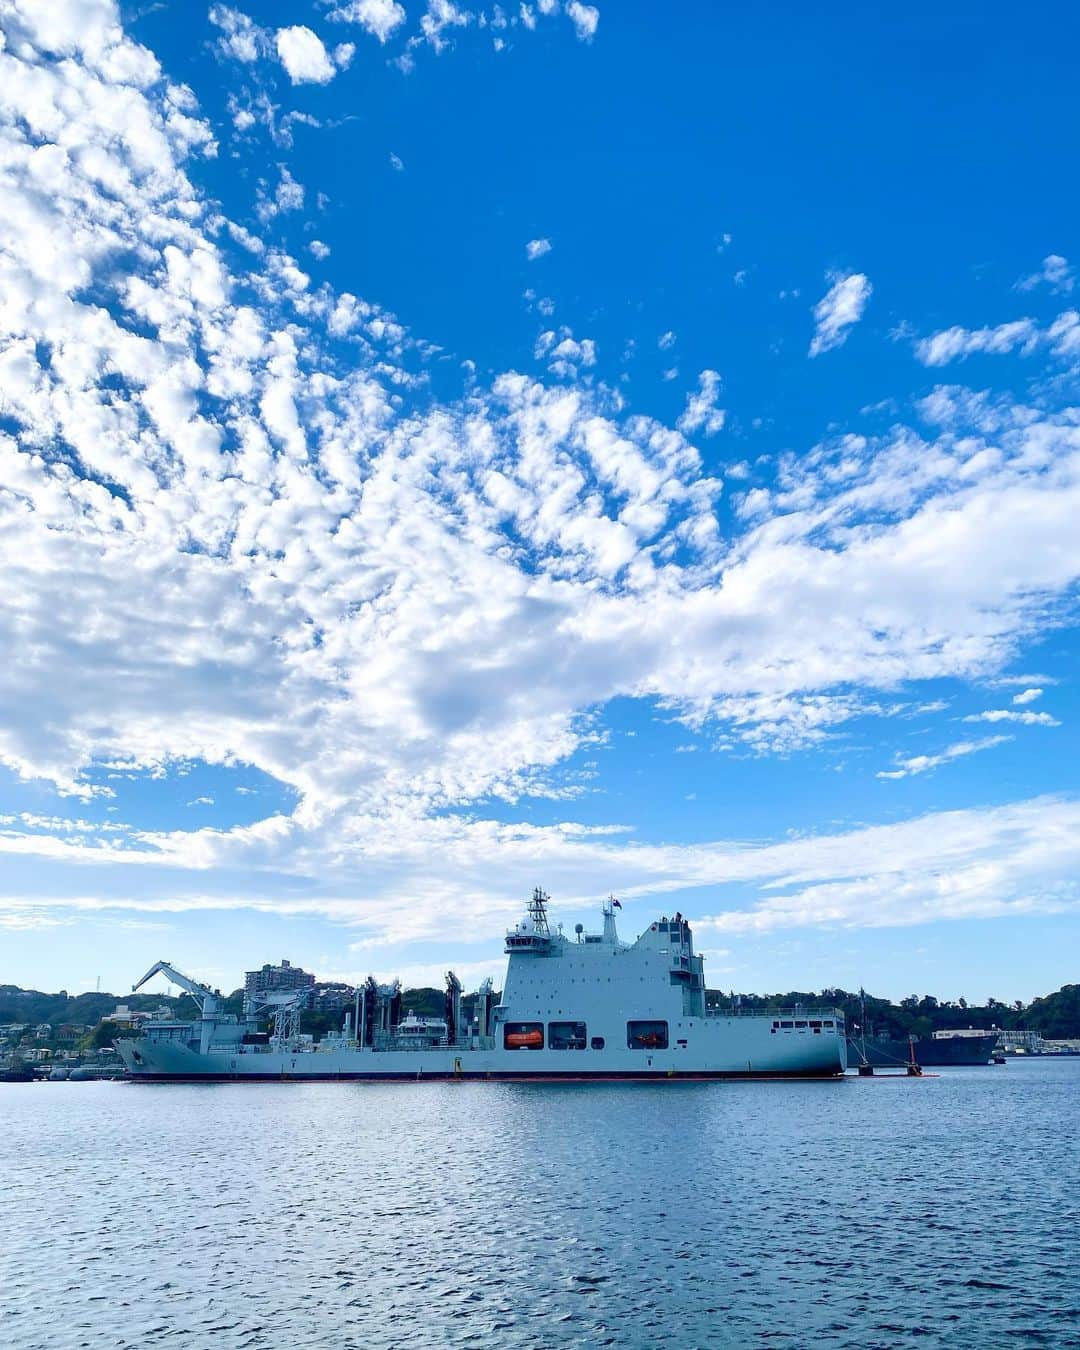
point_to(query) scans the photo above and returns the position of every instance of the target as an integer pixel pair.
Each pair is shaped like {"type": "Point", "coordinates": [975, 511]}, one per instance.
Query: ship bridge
{"type": "Point", "coordinates": [532, 934]}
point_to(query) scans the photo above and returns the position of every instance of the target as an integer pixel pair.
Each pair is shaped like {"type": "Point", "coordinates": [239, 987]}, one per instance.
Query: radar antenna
{"type": "Point", "coordinates": [538, 912]}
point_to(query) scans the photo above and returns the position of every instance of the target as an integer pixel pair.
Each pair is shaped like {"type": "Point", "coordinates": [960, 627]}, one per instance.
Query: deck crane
{"type": "Point", "coordinates": [202, 993]}
{"type": "Point", "coordinates": [208, 999]}
{"type": "Point", "coordinates": [283, 1007]}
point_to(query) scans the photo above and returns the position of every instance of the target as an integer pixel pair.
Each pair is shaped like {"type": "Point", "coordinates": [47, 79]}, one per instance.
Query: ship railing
{"type": "Point", "coordinates": [384, 1042]}
{"type": "Point", "coordinates": [799, 1010]}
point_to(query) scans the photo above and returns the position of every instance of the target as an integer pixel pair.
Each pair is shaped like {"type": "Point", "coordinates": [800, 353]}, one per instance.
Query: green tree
{"type": "Point", "coordinates": [104, 1034]}
{"type": "Point", "coordinates": [1056, 1016]}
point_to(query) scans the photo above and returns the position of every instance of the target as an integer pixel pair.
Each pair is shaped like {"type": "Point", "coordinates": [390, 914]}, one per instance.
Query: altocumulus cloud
{"type": "Point", "coordinates": [256, 549]}
{"type": "Point", "coordinates": [379, 17]}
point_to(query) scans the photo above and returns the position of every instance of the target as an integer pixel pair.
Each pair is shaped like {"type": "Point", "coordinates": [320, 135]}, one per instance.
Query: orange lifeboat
{"type": "Point", "coordinates": [525, 1040]}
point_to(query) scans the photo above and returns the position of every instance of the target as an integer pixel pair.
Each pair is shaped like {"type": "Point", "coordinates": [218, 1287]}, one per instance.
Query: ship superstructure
{"type": "Point", "coordinates": [572, 1007]}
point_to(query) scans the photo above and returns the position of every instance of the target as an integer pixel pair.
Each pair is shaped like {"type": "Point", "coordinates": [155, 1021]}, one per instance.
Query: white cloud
{"type": "Point", "coordinates": [585, 19]}
{"type": "Point", "coordinates": [1055, 272]}
{"type": "Point", "coordinates": [242, 40]}
{"type": "Point", "coordinates": [397, 163]}
{"type": "Point", "coordinates": [840, 307]}
{"type": "Point", "coordinates": [1061, 339]}
{"type": "Point", "coordinates": [536, 248]}
{"type": "Point", "coordinates": [954, 865]}
{"type": "Point", "coordinates": [1028, 719]}
{"type": "Point", "coordinates": [379, 17]}
{"type": "Point", "coordinates": [319, 249]}
{"type": "Point", "coordinates": [701, 412]}
{"type": "Point", "coordinates": [566, 355]}
{"type": "Point", "coordinates": [1027, 679]}
{"type": "Point", "coordinates": [441, 15]}
{"type": "Point", "coordinates": [257, 551]}
{"type": "Point", "coordinates": [666, 341]}
{"type": "Point", "coordinates": [287, 196]}
{"type": "Point", "coordinates": [1013, 860]}
{"type": "Point", "coordinates": [912, 764]}
{"type": "Point", "coordinates": [956, 343]}
{"type": "Point", "coordinates": [303, 55]}
{"type": "Point", "coordinates": [1027, 696]}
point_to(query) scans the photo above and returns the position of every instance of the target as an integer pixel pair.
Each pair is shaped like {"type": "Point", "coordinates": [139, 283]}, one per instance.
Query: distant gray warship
{"type": "Point", "coordinates": [931, 1052]}
{"type": "Point", "coordinates": [583, 1007]}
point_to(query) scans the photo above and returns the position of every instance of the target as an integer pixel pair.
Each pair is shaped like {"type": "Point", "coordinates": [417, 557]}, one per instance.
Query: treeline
{"type": "Point", "coordinates": [1057, 1016]}
{"type": "Point", "coordinates": [31, 1005]}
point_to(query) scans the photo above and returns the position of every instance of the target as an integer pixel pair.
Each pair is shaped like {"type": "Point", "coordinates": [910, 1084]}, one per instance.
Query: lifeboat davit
{"type": "Point", "coordinates": [525, 1040]}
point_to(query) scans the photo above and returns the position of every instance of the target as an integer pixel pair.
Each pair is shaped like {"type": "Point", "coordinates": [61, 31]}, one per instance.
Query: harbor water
{"type": "Point", "coordinates": [889, 1212]}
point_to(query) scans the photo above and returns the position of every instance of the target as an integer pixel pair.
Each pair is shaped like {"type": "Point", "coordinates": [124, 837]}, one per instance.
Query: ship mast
{"type": "Point", "coordinates": [538, 912]}
{"type": "Point", "coordinates": [610, 932]}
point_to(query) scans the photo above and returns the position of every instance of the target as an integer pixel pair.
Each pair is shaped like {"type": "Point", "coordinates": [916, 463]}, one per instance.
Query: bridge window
{"type": "Point", "coordinates": [566, 1036]}
{"type": "Point", "coordinates": [647, 1035]}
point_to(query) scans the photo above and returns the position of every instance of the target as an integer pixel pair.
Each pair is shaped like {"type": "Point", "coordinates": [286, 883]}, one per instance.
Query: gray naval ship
{"type": "Point", "coordinates": [588, 1006]}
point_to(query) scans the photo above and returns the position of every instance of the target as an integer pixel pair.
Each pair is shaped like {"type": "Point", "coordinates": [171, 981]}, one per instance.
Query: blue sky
{"type": "Point", "coordinates": [450, 449]}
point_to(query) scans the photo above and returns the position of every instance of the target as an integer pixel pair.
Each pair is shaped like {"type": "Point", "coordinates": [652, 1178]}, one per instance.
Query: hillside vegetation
{"type": "Point", "coordinates": [1056, 1016]}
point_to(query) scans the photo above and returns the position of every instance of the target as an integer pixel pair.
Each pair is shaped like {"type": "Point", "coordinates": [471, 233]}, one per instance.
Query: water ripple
{"type": "Point", "coordinates": [863, 1214]}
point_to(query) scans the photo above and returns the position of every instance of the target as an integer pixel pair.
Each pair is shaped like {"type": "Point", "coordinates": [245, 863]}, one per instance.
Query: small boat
{"type": "Point", "coordinates": [16, 1074]}
{"type": "Point", "coordinates": [525, 1040]}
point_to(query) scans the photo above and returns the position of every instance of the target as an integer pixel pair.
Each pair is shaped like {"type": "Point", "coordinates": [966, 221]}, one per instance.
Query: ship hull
{"type": "Point", "coordinates": [724, 1048]}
